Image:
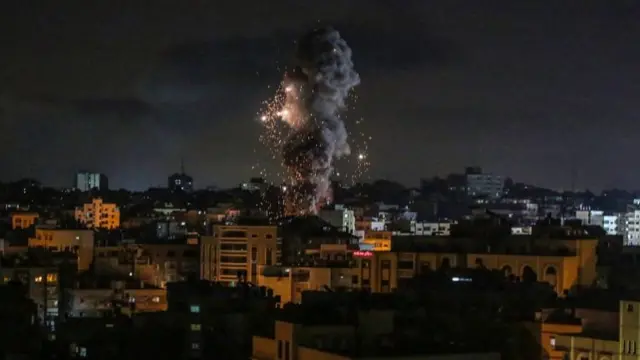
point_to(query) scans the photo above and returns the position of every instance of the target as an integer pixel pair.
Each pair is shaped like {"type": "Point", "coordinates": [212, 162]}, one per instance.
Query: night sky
{"type": "Point", "coordinates": [527, 89]}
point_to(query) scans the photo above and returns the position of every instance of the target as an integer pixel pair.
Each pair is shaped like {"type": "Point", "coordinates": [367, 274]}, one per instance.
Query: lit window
{"type": "Point", "coordinates": [196, 327]}
{"type": "Point", "coordinates": [38, 279]}
{"type": "Point", "coordinates": [83, 352]}
{"type": "Point", "coordinates": [155, 299]}
{"type": "Point", "coordinates": [195, 346]}
{"type": "Point", "coordinates": [52, 278]}
{"type": "Point", "coordinates": [552, 341]}
{"type": "Point", "coordinates": [195, 308]}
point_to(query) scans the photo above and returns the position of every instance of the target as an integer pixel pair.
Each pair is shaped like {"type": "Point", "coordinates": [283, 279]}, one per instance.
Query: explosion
{"type": "Point", "coordinates": [303, 123]}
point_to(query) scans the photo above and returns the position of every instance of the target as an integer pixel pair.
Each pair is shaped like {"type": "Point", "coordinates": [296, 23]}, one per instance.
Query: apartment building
{"type": "Point", "coordinates": [233, 253]}
{"type": "Point", "coordinates": [79, 242]}
{"type": "Point", "coordinates": [98, 215]}
{"type": "Point", "coordinates": [23, 220]}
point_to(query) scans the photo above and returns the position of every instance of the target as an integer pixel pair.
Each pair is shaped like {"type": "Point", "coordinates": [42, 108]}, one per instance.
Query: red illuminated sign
{"type": "Point", "coordinates": [362, 253]}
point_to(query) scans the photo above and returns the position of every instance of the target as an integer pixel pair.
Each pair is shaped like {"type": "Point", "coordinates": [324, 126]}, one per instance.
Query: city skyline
{"type": "Point", "coordinates": [532, 91]}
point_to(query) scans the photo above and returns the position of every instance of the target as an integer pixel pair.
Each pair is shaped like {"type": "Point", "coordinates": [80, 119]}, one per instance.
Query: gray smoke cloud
{"type": "Point", "coordinates": [324, 74]}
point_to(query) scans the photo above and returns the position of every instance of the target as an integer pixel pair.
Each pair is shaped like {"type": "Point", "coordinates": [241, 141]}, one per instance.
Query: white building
{"type": "Point", "coordinates": [86, 181]}
{"type": "Point", "coordinates": [431, 228]}
{"type": "Point", "coordinates": [341, 218]}
{"type": "Point", "coordinates": [613, 224]}
{"type": "Point", "coordinates": [591, 217]}
{"type": "Point", "coordinates": [521, 230]}
{"type": "Point", "coordinates": [631, 229]}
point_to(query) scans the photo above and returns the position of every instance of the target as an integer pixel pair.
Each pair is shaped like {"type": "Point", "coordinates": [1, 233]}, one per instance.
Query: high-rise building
{"type": "Point", "coordinates": [98, 215]}
{"type": "Point", "coordinates": [483, 184]}
{"type": "Point", "coordinates": [233, 253]}
{"type": "Point", "coordinates": [86, 181]}
{"type": "Point", "coordinates": [180, 181]}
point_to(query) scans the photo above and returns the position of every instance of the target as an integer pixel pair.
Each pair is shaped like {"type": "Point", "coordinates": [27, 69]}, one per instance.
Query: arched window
{"type": "Point", "coordinates": [551, 275]}
{"type": "Point", "coordinates": [507, 270]}
{"type": "Point", "coordinates": [528, 275]}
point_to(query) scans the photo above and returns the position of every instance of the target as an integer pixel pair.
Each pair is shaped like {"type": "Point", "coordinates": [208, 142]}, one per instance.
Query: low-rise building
{"type": "Point", "coordinates": [79, 242]}
{"type": "Point", "coordinates": [102, 298]}
{"type": "Point", "coordinates": [24, 220]}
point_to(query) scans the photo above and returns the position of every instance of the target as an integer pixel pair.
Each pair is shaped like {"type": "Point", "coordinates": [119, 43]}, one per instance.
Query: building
{"type": "Point", "coordinates": [565, 260]}
{"type": "Point", "coordinates": [23, 220]}
{"type": "Point", "coordinates": [255, 185]}
{"type": "Point", "coordinates": [103, 299]}
{"type": "Point", "coordinates": [19, 333]}
{"type": "Point", "coordinates": [79, 242]}
{"type": "Point", "coordinates": [376, 241]}
{"type": "Point", "coordinates": [219, 321]}
{"type": "Point", "coordinates": [180, 182]}
{"type": "Point", "coordinates": [591, 217]}
{"type": "Point", "coordinates": [304, 238]}
{"type": "Point", "coordinates": [431, 228]}
{"type": "Point", "coordinates": [234, 253]}
{"type": "Point", "coordinates": [87, 181]}
{"type": "Point", "coordinates": [631, 229]}
{"type": "Point", "coordinates": [98, 215]}
{"type": "Point", "coordinates": [153, 264]}
{"type": "Point", "coordinates": [307, 333]}
{"type": "Point", "coordinates": [339, 217]}
{"type": "Point", "coordinates": [481, 184]}
{"type": "Point", "coordinates": [290, 282]}
{"type": "Point", "coordinates": [604, 343]}
{"type": "Point", "coordinates": [613, 224]}
{"type": "Point", "coordinates": [40, 283]}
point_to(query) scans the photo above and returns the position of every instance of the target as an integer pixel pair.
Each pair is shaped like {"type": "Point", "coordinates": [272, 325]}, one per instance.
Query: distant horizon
{"type": "Point", "coordinates": [369, 181]}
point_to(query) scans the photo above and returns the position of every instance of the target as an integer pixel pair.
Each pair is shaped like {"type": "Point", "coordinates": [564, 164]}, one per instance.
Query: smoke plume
{"type": "Point", "coordinates": [316, 91]}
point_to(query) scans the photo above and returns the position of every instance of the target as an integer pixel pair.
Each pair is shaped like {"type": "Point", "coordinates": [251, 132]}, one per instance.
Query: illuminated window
{"type": "Point", "coordinates": [195, 309]}
{"type": "Point", "coordinates": [196, 327]}
{"type": "Point", "coordinates": [195, 346]}
{"type": "Point", "coordinates": [52, 278]}
{"type": "Point", "coordinates": [155, 299]}
{"type": "Point", "coordinates": [552, 341]}
{"type": "Point", "coordinates": [38, 279]}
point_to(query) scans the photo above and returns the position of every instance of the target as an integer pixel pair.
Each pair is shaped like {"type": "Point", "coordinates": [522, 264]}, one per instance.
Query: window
{"type": "Point", "coordinates": [629, 308]}
{"type": "Point", "coordinates": [268, 257]}
{"type": "Point", "coordinates": [194, 309]}
{"type": "Point", "coordinates": [195, 346]}
{"type": "Point", "coordinates": [83, 352]}
{"type": "Point", "coordinates": [38, 279]}
{"type": "Point", "coordinates": [286, 350]}
{"type": "Point", "coordinates": [196, 327]}
{"type": "Point", "coordinates": [155, 299]}
{"type": "Point", "coordinates": [552, 341]}
{"type": "Point", "coordinates": [354, 279]}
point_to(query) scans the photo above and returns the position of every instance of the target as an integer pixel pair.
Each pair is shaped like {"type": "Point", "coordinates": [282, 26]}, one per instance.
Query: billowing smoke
{"type": "Point", "coordinates": [316, 91]}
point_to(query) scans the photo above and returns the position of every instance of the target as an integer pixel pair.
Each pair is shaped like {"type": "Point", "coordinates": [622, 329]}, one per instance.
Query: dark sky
{"type": "Point", "coordinates": [521, 88]}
